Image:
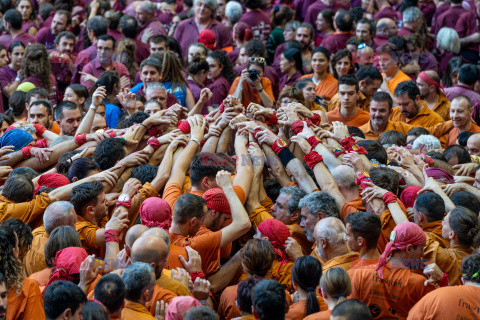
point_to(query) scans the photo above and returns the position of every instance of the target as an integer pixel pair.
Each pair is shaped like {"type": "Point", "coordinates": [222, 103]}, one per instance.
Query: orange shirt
{"type": "Point", "coordinates": [424, 118]}
{"type": "Point", "coordinates": [345, 261]}
{"type": "Point", "coordinates": [159, 294]}
{"type": "Point", "coordinates": [322, 315]}
{"type": "Point", "coordinates": [206, 243]}
{"type": "Point", "coordinates": [35, 258]}
{"type": "Point", "coordinates": [87, 231]}
{"type": "Point", "coordinates": [29, 212]}
{"type": "Point", "coordinates": [388, 224]}
{"type": "Point", "coordinates": [453, 134]}
{"type": "Point", "coordinates": [327, 88]}
{"type": "Point", "coordinates": [135, 311]}
{"type": "Point", "coordinates": [166, 281]}
{"type": "Point", "coordinates": [400, 77]}
{"type": "Point", "coordinates": [173, 261]}
{"type": "Point", "coordinates": [297, 310]}
{"type": "Point", "coordinates": [227, 309]}
{"type": "Point", "coordinates": [357, 120]}
{"type": "Point", "coordinates": [351, 207]}
{"type": "Point", "coordinates": [452, 302]}
{"type": "Point", "coordinates": [249, 95]}
{"type": "Point", "coordinates": [392, 297]}
{"type": "Point", "coordinates": [41, 277]}
{"type": "Point", "coordinates": [55, 128]}
{"type": "Point", "coordinates": [362, 102]}
{"type": "Point", "coordinates": [26, 304]}
{"type": "Point", "coordinates": [442, 107]}
{"type": "Point", "coordinates": [434, 231]}
{"type": "Point", "coordinates": [282, 275]}
{"type": "Point", "coordinates": [437, 130]}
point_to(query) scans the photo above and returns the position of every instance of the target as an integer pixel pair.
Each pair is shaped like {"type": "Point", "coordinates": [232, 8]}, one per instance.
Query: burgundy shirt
{"type": "Point", "coordinates": [285, 81]}
{"type": "Point", "coordinates": [428, 10]}
{"type": "Point", "coordinates": [405, 31]}
{"type": "Point", "coordinates": [25, 38]}
{"type": "Point", "coordinates": [313, 11]}
{"type": "Point", "coordinates": [269, 73]}
{"type": "Point", "coordinates": [233, 55]}
{"type": "Point", "coordinates": [7, 76]}
{"type": "Point", "coordinates": [195, 89]}
{"type": "Point", "coordinates": [156, 27]}
{"type": "Point", "coordinates": [302, 8]}
{"type": "Point", "coordinates": [187, 33]}
{"type": "Point", "coordinates": [219, 88]}
{"type": "Point", "coordinates": [279, 51]}
{"type": "Point", "coordinates": [84, 57]}
{"type": "Point", "coordinates": [449, 18]}
{"type": "Point", "coordinates": [468, 24]}
{"type": "Point", "coordinates": [259, 23]}
{"type": "Point", "coordinates": [443, 59]}
{"type": "Point", "coordinates": [337, 41]}
{"type": "Point", "coordinates": [460, 89]}
{"type": "Point", "coordinates": [117, 35]}
{"type": "Point", "coordinates": [27, 25]}
{"type": "Point", "coordinates": [387, 12]}
{"type": "Point", "coordinates": [46, 37]}
{"type": "Point", "coordinates": [95, 69]}
{"type": "Point", "coordinates": [142, 50]}
{"type": "Point", "coordinates": [63, 75]}
{"type": "Point", "coordinates": [379, 41]}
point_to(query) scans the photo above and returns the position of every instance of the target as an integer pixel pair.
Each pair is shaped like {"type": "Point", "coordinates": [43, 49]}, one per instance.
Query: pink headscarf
{"type": "Point", "coordinates": [67, 263]}
{"type": "Point", "coordinates": [404, 234]}
{"type": "Point", "coordinates": [409, 195]}
{"type": "Point", "coordinates": [156, 212]}
{"type": "Point", "coordinates": [438, 173]}
{"type": "Point", "coordinates": [277, 233]}
{"type": "Point", "coordinates": [179, 306]}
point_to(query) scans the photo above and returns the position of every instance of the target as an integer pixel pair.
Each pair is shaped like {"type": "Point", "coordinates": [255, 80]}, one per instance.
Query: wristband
{"type": "Point", "coordinates": [221, 107]}
{"type": "Point", "coordinates": [81, 139]}
{"type": "Point", "coordinates": [297, 126]}
{"type": "Point", "coordinates": [39, 129]}
{"type": "Point", "coordinates": [10, 128]}
{"type": "Point", "coordinates": [389, 197]}
{"type": "Point", "coordinates": [93, 107]}
{"type": "Point", "coordinates": [154, 143]}
{"type": "Point", "coordinates": [337, 152]}
{"type": "Point", "coordinates": [428, 160]}
{"type": "Point", "coordinates": [184, 127]}
{"type": "Point", "coordinates": [272, 120]}
{"type": "Point", "coordinates": [112, 134]}
{"type": "Point", "coordinates": [286, 156]}
{"type": "Point", "coordinates": [444, 281]}
{"type": "Point", "coordinates": [360, 181]}
{"type": "Point", "coordinates": [349, 145]}
{"type": "Point", "coordinates": [126, 203]}
{"type": "Point", "coordinates": [278, 146]}
{"type": "Point", "coordinates": [316, 119]}
{"type": "Point", "coordinates": [314, 140]}
{"type": "Point", "coordinates": [42, 143]}
{"type": "Point", "coordinates": [111, 235]}
{"type": "Point", "coordinates": [26, 151]}
{"type": "Point", "coordinates": [197, 274]}
{"type": "Point", "coordinates": [312, 158]}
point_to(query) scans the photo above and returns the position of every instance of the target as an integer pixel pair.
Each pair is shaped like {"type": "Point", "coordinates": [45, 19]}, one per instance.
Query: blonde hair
{"type": "Point", "coordinates": [336, 283]}
{"type": "Point", "coordinates": [449, 40]}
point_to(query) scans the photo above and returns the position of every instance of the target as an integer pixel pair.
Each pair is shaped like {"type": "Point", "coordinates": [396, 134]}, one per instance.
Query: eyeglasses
{"type": "Point", "coordinates": [363, 45]}
{"type": "Point", "coordinates": [257, 60]}
{"type": "Point", "coordinates": [287, 101]}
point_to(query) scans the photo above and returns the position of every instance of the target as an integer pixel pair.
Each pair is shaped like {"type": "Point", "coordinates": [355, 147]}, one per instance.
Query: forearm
{"type": "Point", "coordinates": [266, 100]}
{"type": "Point", "coordinates": [12, 159]}
{"type": "Point", "coordinates": [211, 144]}
{"type": "Point", "coordinates": [87, 121]}
{"type": "Point", "coordinates": [121, 181]}
{"type": "Point", "coordinates": [329, 158]}
{"type": "Point", "coordinates": [224, 140]}
{"type": "Point", "coordinates": [163, 171]}
{"type": "Point", "coordinates": [243, 178]}
{"type": "Point", "coordinates": [276, 166]}
{"type": "Point", "coordinates": [63, 193]}
{"type": "Point", "coordinates": [468, 40]}
{"type": "Point", "coordinates": [10, 89]}
{"type": "Point", "coordinates": [58, 151]}
{"type": "Point", "coordinates": [397, 214]}
{"type": "Point", "coordinates": [253, 199]}
{"type": "Point", "coordinates": [239, 91]}
{"type": "Point", "coordinates": [303, 179]}
{"type": "Point", "coordinates": [225, 275]}
{"type": "Point", "coordinates": [240, 222]}
{"type": "Point", "coordinates": [158, 155]}
{"type": "Point", "coordinates": [182, 163]}
{"type": "Point", "coordinates": [112, 249]}
{"type": "Point", "coordinates": [327, 183]}
{"type": "Point", "coordinates": [49, 135]}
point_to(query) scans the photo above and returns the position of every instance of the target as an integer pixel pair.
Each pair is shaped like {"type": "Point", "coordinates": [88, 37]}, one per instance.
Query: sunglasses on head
{"type": "Point", "coordinates": [257, 60]}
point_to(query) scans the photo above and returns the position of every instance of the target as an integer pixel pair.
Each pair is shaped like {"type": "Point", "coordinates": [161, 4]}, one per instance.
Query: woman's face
{"type": "Point", "coordinates": [285, 65]}
{"type": "Point", "coordinates": [25, 8]}
{"type": "Point", "coordinates": [321, 23]}
{"type": "Point", "coordinates": [242, 57]}
{"type": "Point", "coordinates": [221, 8]}
{"type": "Point", "coordinates": [343, 66]}
{"type": "Point", "coordinates": [215, 68]}
{"type": "Point", "coordinates": [309, 93]}
{"type": "Point", "coordinates": [196, 51]}
{"type": "Point", "coordinates": [289, 34]}
{"type": "Point", "coordinates": [3, 128]}
{"type": "Point", "coordinates": [16, 56]}
{"type": "Point", "coordinates": [3, 58]}
{"type": "Point", "coordinates": [70, 95]}
{"type": "Point", "coordinates": [152, 108]}
{"type": "Point", "coordinates": [319, 63]}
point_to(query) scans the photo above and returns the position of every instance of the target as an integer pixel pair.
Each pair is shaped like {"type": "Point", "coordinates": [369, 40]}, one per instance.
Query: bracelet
{"type": "Point", "coordinates": [42, 143]}
{"type": "Point", "coordinates": [17, 79]}
{"type": "Point", "coordinates": [126, 204]}
{"type": "Point", "coordinates": [221, 107]}
{"type": "Point", "coordinates": [154, 143]}
{"type": "Point", "coordinates": [272, 120]}
{"type": "Point", "coordinates": [316, 119]}
{"type": "Point", "coordinates": [297, 126]}
{"type": "Point", "coordinates": [112, 134]}
{"type": "Point", "coordinates": [154, 132]}
{"type": "Point", "coordinates": [349, 145]}
{"type": "Point", "coordinates": [196, 140]}
{"type": "Point", "coordinates": [360, 181]}
{"type": "Point", "coordinates": [93, 107]}
{"type": "Point", "coordinates": [389, 197]}
{"type": "Point", "coordinates": [312, 158]}
{"type": "Point", "coordinates": [286, 156]}
{"type": "Point", "coordinates": [81, 139]}
{"type": "Point", "coordinates": [26, 151]}
{"type": "Point", "coordinates": [111, 235]}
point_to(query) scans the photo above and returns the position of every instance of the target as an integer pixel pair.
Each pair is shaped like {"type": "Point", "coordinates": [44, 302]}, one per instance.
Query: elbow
{"type": "Point", "coordinates": [246, 226]}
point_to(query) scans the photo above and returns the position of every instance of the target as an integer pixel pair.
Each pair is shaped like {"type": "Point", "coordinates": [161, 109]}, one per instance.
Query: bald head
{"type": "Point", "coordinates": [133, 234]}
{"type": "Point", "coordinates": [473, 144]}
{"type": "Point", "coordinates": [386, 27]}
{"type": "Point", "coordinates": [330, 237]}
{"type": "Point", "coordinates": [59, 213]}
{"type": "Point", "coordinates": [150, 249]}
{"type": "Point", "coordinates": [158, 232]}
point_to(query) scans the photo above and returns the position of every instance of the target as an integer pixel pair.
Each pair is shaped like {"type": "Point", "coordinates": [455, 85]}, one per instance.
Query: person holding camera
{"type": "Point", "coordinates": [251, 86]}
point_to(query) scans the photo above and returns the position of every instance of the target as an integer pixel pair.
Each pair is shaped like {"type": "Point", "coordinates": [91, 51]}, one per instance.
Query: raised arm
{"type": "Point", "coordinates": [87, 121]}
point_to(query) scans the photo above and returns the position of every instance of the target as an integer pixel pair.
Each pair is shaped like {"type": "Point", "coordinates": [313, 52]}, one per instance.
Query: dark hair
{"type": "Point", "coordinates": [254, 4]}
{"type": "Point", "coordinates": [375, 150]}
{"type": "Point", "coordinates": [466, 199]}
{"type": "Point", "coordinates": [458, 151]}
{"type": "Point", "coordinates": [272, 187]}
{"type": "Point", "coordinates": [221, 57]}
{"type": "Point", "coordinates": [200, 313]}
{"type": "Point", "coordinates": [255, 47]}
{"type": "Point", "coordinates": [306, 273]}
{"type": "Point", "coordinates": [453, 65]}
{"type": "Point", "coordinates": [437, 156]}
{"type": "Point", "coordinates": [463, 137]}
{"type": "Point", "coordinates": [98, 25]}
{"type": "Point", "coordinates": [110, 290]}
{"type": "Point", "coordinates": [44, 10]}
{"type": "Point", "coordinates": [340, 54]}
{"type": "Point", "coordinates": [296, 56]}
{"type": "Point", "coordinates": [14, 17]}
{"type": "Point", "coordinates": [328, 15]}
{"type": "Point", "coordinates": [408, 87]}
{"type": "Point", "coordinates": [470, 267]}
{"type": "Point", "coordinates": [197, 65]}
{"type": "Point", "coordinates": [159, 38]}
{"type": "Point", "coordinates": [18, 189]}
{"type": "Point", "coordinates": [352, 309]}
{"type": "Point", "coordinates": [173, 45]}
{"type": "Point", "coordinates": [60, 238]}
{"type": "Point", "coordinates": [280, 15]}
{"type": "Point", "coordinates": [369, 74]}
{"type": "Point", "coordinates": [268, 299]}
{"type": "Point", "coordinates": [258, 256]}
{"type": "Point", "coordinates": [85, 195]}
{"type": "Point", "coordinates": [417, 132]}
{"type": "Point", "coordinates": [468, 74]}
{"type": "Point", "coordinates": [42, 102]}
{"type": "Point", "coordinates": [28, 172]}
{"type": "Point", "coordinates": [80, 168]}
{"type": "Point", "coordinates": [92, 310]}
{"type": "Point", "coordinates": [344, 20]}
{"type": "Point", "coordinates": [64, 34]}
{"type": "Point", "coordinates": [16, 102]}
{"type": "Point", "coordinates": [392, 137]}
{"type": "Point", "coordinates": [128, 26]}
{"type": "Point", "coordinates": [431, 205]}
{"type": "Point", "coordinates": [204, 165]}
{"type": "Point", "coordinates": [65, 161]}
{"type": "Point", "coordinates": [60, 296]}
{"type": "Point", "coordinates": [323, 50]}
{"type": "Point", "coordinates": [385, 178]}
{"type": "Point", "coordinates": [348, 79]}
{"type": "Point", "coordinates": [41, 93]}
{"type": "Point", "coordinates": [6, 118]}
{"type": "Point", "coordinates": [145, 173]}
{"type": "Point", "coordinates": [188, 206]}
{"type": "Point", "coordinates": [80, 90]}
{"type": "Point", "coordinates": [64, 105]}
{"type": "Point", "coordinates": [244, 294]}
{"type": "Point", "coordinates": [24, 234]}
{"type": "Point", "coordinates": [11, 267]}
{"type": "Point", "coordinates": [464, 223]}
{"type": "Point", "coordinates": [356, 132]}
{"type": "Point", "coordinates": [366, 225]}
{"type": "Point", "coordinates": [108, 152]}
{"type": "Point", "coordinates": [108, 79]}
{"type": "Point", "coordinates": [15, 44]}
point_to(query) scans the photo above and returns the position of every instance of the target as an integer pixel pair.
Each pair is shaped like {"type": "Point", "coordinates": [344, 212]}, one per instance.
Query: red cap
{"type": "Point", "coordinates": [216, 200]}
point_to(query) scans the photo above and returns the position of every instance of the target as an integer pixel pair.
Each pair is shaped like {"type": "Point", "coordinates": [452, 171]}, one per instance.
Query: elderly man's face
{"type": "Point", "coordinates": [308, 222]}
{"type": "Point", "coordinates": [158, 94]}
{"type": "Point", "coordinates": [473, 145]}
{"type": "Point", "coordinates": [141, 14]}
{"type": "Point", "coordinates": [202, 11]}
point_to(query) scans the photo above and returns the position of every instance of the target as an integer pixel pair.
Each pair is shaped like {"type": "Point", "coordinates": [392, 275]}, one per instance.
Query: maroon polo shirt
{"type": "Point", "coordinates": [449, 18]}
{"type": "Point", "coordinates": [468, 24]}
{"type": "Point", "coordinates": [95, 69]}
{"type": "Point", "coordinates": [337, 41]}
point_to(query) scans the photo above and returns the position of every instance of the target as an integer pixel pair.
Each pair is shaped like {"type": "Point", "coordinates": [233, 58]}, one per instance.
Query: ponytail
{"type": "Point", "coordinates": [306, 273]}
{"type": "Point", "coordinates": [312, 303]}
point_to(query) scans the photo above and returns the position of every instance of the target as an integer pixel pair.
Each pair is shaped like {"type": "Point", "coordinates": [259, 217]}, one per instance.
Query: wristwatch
{"type": "Point", "coordinates": [124, 200]}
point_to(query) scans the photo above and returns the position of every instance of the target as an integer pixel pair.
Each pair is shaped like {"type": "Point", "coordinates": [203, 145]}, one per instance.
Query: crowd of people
{"type": "Point", "coordinates": [259, 159]}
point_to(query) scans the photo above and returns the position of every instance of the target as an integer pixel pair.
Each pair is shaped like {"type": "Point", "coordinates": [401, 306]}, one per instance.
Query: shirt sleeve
{"type": "Point", "coordinates": [171, 193]}
{"type": "Point", "coordinates": [25, 211]}
{"type": "Point", "coordinates": [208, 246]}
{"type": "Point", "coordinates": [258, 215]}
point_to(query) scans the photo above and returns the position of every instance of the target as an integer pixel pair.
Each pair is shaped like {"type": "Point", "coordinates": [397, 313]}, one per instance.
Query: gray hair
{"type": "Point", "coordinates": [210, 4]}
{"type": "Point", "coordinates": [155, 85]}
{"type": "Point", "coordinates": [233, 11]}
{"type": "Point", "coordinates": [61, 139]}
{"type": "Point", "coordinates": [411, 14]}
{"type": "Point", "coordinates": [292, 25]}
{"type": "Point", "coordinates": [448, 40]}
{"type": "Point", "coordinates": [344, 176]}
{"type": "Point", "coordinates": [331, 229]}
{"type": "Point", "coordinates": [29, 128]}
{"type": "Point", "coordinates": [430, 142]}
{"type": "Point", "coordinates": [296, 195]}
{"type": "Point", "coordinates": [320, 201]}
{"type": "Point", "coordinates": [137, 278]}
{"type": "Point", "coordinates": [57, 214]}
{"type": "Point", "coordinates": [149, 7]}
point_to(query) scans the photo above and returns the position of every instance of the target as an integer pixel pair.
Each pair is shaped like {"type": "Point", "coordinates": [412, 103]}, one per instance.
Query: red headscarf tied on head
{"type": "Point", "coordinates": [404, 234]}
{"type": "Point", "coordinates": [207, 37]}
{"type": "Point", "coordinates": [51, 180]}
{"type": "Point", "coordinates": [216, 200]}
{"type": "Point", "coordinates": [438, 174]}
{"type": "Point", "coordinates": [429, 80]}
{"type": "Point", "coordinates": [156, 212]}
{"type": "Point", "coordinates": [67, 263]}
{"type": "Point", "coordinates": [409, 195]}
{"type": "Point", "coordinates": [277, 233]}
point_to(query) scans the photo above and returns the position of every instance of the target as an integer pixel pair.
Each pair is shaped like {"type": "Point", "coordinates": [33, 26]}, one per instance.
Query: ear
{"type": "Point", "coordinates": [452, 235]}
{"type": "Point", "coordinates": [192, 221]}
{"type": "Point", "coordinates": [320, 216]}
{"type": "Point", "coordinates": [82, 100]}
{"type": "Point", "coordinates": [89, 210]}
{"type": "Point", "coordinates": [324, 243]}
{"type": "Point", "coordinates": [362, 83]}
{"type": "Point", "coordinates": [360, 241]}
{"type": "Point", "coordinates": [74, 179]}
{"type": "Point", "coordinates": [423, 219]}
{"type": "Point", "coordinates": [295, 215]}
{"type": "Point", "coordinates": [67, 314]}
{"type": "Point", "coordinates": [205, 184]}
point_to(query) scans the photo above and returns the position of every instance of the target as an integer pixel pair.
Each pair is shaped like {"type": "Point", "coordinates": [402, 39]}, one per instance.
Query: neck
{"type": "Point", "coordinates": [15, 33]}
{"type": "Point", "coordinates": [465, 127]}
{"type": "Point", "coordinates": [369, 254]}
{"type": "Point", "coordinates": [337, 252]}
{"type": "Point", "coordinates": [203, 22]}
{"type": "Point", "coordinates": [378, 129]}
{"type": "Point", "coordinates": [319, 76]}
{"type": "Point", "coordinates": [331, 302]}
{"type": "Point", "coordinates": [348, 113]}
{"type": "Point", "coordinates": [182, 229]}
{"type": "Point", "coordinates": [106, 65]}
{"type": "Point", "coordinates": [302, 294]}
{"type": "Point", "coordinates": [432, 99]}
{"type": "Point", "coordinates": [349, 194]}
{"type": "Point", "coordinates": [291, 72]}
{"type": "Point", "coordinates": [392, 75]}
{"type": "Point", "coordinates": [14, 67]}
